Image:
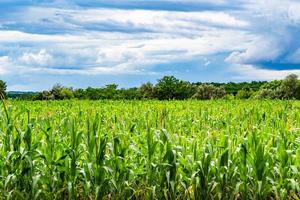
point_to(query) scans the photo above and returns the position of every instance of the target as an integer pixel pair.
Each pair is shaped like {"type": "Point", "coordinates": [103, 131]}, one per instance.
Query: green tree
{"type": "Point", "coordinates": [170, 87]}
{"type": "Point", "coordinates": [245, 93]}
{"type": "Point", "coordinates": [93, 93]}
{"type": "Point", "coordinates": [60, 92]}
{"type": "Point", "coordinates": [66, 93]}
{"type": "Point", "coordinates": [79, 93]}
{"type": "Point", "coordinates": [111, 91]}
{"type": "Point", "coordinates": [130, 93]}
{"type": "Point", "coordinates": [272, 85]}
{"type": "Point", "coordinates": [166, 88]}
{"type": "Point", "coordinates": [47, 95]}
{"type": "Point", "coordinates": [147, 91]}
{"type": "Point", "coordinates": [185, 90]}
{"type": "Point", "coordinates": [265, 94]}
{"type": "Point", "coordinates": [290, 86]}
{"type": "Point", "coordinates": [56, 91]}
{"type": "Point", "coordinates": [208, 91]}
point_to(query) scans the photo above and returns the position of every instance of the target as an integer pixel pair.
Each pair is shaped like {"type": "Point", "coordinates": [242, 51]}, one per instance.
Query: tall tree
{"type": "Point", "coordinates": [147, 90]}
{"type": "Point", "coordinates": [208, 91]}
{"type": "Point", "coordinates": [111, 91]}
{"type": "Point", "coordinates": [166, 88]}
{"type": "Point", "coordinates": [290, 86]}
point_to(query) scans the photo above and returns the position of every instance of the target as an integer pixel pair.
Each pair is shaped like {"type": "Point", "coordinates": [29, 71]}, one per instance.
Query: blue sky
{"type": "Point", "coordinates": [85, 43]}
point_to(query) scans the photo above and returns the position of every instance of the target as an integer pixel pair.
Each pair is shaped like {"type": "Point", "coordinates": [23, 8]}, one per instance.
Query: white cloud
{"type": "Point", "coordinates": [4, 64]}
{"type": "Point", "coordinates": [155, 20]}
{"type": "Point", "coordinates": [276, 24]}
{"type": "Point", "coordinates": [263, 49]}
{"type": "Point", "coordinates": [42, 58]}
{"type": "Point", "coordinates": [109, 50]}
{"type": "Point", "coordinates": [251, 72]}
{"type": "Point", "coordinates": [143, 38]}
{"type": "Point", "coordinates": [120, 41]}
{"type": "Point", "coordinates": [294, 14]}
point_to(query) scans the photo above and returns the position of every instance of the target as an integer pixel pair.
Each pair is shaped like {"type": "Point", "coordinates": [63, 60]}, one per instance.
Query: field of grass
{"type": "Point", "coordinates": [150, 150]}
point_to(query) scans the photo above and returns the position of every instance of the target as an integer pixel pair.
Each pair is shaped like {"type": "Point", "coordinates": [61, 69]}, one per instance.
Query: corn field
{"type": "Point", "coordinates": [150, 150]}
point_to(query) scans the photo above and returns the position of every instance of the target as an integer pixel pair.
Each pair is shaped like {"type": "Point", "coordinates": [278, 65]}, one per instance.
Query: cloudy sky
{"type": "Point", "coordinates": [84, 43]}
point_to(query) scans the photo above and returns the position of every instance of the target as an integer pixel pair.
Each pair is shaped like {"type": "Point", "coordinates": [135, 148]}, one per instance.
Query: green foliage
{"type": "Point", "coordinates": [228, 97]}
{"type": "Point", "coordinates": [206, 92]}
{"type": "Point", "coordinates": [289, 88]}
{"type": "Point", "coordinates": [265, 94]}
{"type": "Point", "coordinates": [147, 91]}
{"type": "Point", "coordinates": [171, 88]}
{"type": "Point", "coordinates": [272, 85]}
{"type": "Point", "coordinates": [66, 93]}
{"type": "Point", "coordinates": [150, 150]}
{"type": "Point", "coordinates": [166, 88]}
{"type": "Point", "coordinates": [47, 95]}
{"type": "Point", "coordinates": [233, 88]}
{"type": "Point", "coordinates": [245, 93]}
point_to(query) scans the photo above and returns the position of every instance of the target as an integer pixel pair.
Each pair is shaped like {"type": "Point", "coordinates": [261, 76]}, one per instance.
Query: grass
{"type": "Point", "coordinates": [150, 150]}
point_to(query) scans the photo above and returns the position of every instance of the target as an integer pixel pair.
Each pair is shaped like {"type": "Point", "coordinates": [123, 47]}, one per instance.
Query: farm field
{"type": "Point", "coordinates": [246, 149]}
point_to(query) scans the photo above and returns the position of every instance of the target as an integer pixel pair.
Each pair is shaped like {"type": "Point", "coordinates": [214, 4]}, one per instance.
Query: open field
{"type": "Point", "coordinates": [150, 150]}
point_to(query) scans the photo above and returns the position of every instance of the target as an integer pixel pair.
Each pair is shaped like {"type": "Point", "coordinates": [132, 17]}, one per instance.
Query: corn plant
{"type": "Point", "coordinates": [215, 149]}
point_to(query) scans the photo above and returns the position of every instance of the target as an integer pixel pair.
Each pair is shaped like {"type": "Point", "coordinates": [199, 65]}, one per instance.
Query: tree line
{"type": "Point", "coordinates": [171, 88]}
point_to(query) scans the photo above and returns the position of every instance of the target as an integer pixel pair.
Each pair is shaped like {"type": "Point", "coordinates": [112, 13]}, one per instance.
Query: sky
{"type": "Point", "coordinates": [83, 43]}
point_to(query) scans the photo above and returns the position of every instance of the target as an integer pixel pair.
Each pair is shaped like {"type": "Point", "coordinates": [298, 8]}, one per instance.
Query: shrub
{"type": "Point", "coordinates": [207, 91]}
{"type": "Point", "coordinates": [244, 93]}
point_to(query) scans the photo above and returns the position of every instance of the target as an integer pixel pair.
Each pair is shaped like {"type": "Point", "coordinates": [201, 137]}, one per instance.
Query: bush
{"type": "Point", "coordinates": [244, 94]}
{"type": "Point", "coordinates": [229, 97]}
{"type": "Point", "coordinates": [290, 87]}
{"type": "Point", "coordinates": [265, 94]}
{"type": "Point", "coordinates": [207, 91]}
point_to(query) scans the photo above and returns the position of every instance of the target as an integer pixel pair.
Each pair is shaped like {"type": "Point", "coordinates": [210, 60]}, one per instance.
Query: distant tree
{"type": "Point", "coordinates": [256, 85]}
{"type": "Point", "coordinates": [93, 93]}
{"type": "Point", "coordinates": [66, 93]}
{"type": "Point", "coordinates": [38, 96]}
{"type": "Point", "coordinates": [112, 87]}
{"type": "Point", "coordinates": [245, 93]}
{"type": "Point", "coordinates": [208, 91]}
{"type": "Point", "coordinates": [111, 91]}
{"type": "Point", "coordinates": [79, 93]}
{"type": "Point", "coordinates": [220, 92]}
{"type": "Point", "coordinates": [272, 85]}
{"type": "Point", "coordinates": [290, 86]}
{"type": "Point", "coordinates": [23, 95]}
{"type": "Point", "coordinates": [3, 87]}
{"type": "Point", "coordinates": [56, 91]}
{"type": "Point", "coordinates": [147, 91]}
{"type": "Point", "coordinates": [60, 92]}
{"type": "Point", "coordinates": [265, 94]}
{"type": "Point", "coordinates": [233, 88]}
{"type": "Point", "coordinates": [166, 87]}
{"type": "Point", "coordinates": [130, 94]}
{"type": "Point", "coordinates": [47, 95]}
{"type": "Point", "coordinates": [185, 90]}
{"type": "Point", "coordinates": [169, 88]}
